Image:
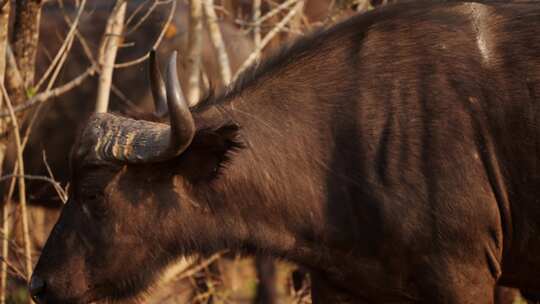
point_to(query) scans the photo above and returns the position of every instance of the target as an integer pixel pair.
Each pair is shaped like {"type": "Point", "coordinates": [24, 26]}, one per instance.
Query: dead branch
{"type": "Point", "coordinates": [4, 31]}
{"type": "Point", "coordinates": [108, 50]}
{"type": "Point", "coordinates": [295, 25]}
{"type": "Point", "coordinates": [42, 97]}
{"type": "Point", "coordinates": [256, 53]}
{"type": "Point", "coordinates": [60, 64]}
{"type": "Point", "coordinates": [11, 189]}
{"type": "Point", "coordinates": [5, 240]}
{"type": "Point", "coordinates": [86, 48]}
{"type": "Point", "coordinates": [179, 267]}
{"type": "Point", "coordinates": [217, 41]}
{"type": "Point", "coordinates": [268, 15]}
{"type": "Point", "coordinates": [256, 23]}
{"type": "Point", "coordinates": [64, 48]}
{"type": "Point", "coordinates": [156, 44]}
{"type": "Point", "coordinates": [203, 264]}
{"type": "Point", "coordinates": [21, 183]}
{"type": "Point", "coordinates": [5, 249]}
{"type": "Point", "coordinates": [147, 14]}
{"type": "Point", "coordinates": [4, 22]}
{"type": "Point", "coordinates": [62, 194]}
{"type": "Point", "coordinates": [194, 51]}
{"type": "Point", "coordinates": [57, 186]}
{"type": "Point", "coordinates": [137, 11]}
{"type": "Point", "coordinates": [30, 177]}
{"type": "Point", "coordinates": [14, 269]}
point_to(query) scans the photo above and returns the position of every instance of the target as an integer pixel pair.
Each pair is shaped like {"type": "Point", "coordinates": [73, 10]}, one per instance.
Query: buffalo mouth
{"type": "Point", "coordinates": [126, 287]}
{"type": "Point", "coordinates": [53, 299]}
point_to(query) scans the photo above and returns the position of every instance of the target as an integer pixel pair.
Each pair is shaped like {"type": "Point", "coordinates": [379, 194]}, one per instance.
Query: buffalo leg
{"type": "Point", "coordinates": [266, 273]}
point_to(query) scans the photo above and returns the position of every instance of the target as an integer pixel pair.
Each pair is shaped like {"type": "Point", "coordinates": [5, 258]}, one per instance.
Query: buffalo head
{"type": "Point", "coordinates": [130, 202]}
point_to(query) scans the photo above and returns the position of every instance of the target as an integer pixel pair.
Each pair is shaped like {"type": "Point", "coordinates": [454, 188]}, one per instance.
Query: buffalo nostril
{"type": "Point", "coordinates": [36, 286]}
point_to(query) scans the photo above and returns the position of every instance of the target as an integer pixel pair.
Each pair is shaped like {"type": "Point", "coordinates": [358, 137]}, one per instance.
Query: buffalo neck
{"type": "Point", "coordinates": [266, 200]}
{"type": "Point", "coordinates": [273, 195]}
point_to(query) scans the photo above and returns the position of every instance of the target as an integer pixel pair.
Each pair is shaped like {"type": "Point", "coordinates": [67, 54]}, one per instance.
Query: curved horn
{"type": "Point", "coordinates": [182, 124]}
{"type": "Point", "coordinates": [157, 86]}
{"type": "Point", "coordinates": [138, 141]}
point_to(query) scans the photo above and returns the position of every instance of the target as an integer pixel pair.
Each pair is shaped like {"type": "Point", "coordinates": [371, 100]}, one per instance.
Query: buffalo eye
{"type": "Point", "coordinates": [91, 204]}
{"type": "Point", "coordinates": [92, 197]}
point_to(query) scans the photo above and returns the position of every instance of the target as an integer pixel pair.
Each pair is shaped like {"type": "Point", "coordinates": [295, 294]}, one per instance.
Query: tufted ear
{"type": "Point", "coordinates": [210, 152]}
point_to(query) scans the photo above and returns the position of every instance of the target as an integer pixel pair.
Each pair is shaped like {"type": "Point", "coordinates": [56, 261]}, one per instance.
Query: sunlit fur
{"type": "Point", "coordinates": [382, 154]}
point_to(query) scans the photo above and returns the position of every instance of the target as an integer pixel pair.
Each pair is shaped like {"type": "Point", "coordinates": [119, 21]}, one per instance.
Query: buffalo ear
{"type": "Point", "coordinates": [210, 152]}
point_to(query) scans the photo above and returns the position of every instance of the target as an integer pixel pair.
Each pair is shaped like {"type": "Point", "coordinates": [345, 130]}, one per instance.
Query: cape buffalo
{"type": "Point", "coordinates": [394, 155]}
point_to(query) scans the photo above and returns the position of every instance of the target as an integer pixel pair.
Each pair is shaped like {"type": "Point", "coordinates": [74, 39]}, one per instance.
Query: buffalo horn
{"type": "Point", "coordinates": [157, 86]}
{"type": "Point", "coordinates": [182, 124]}
{"type": "Point", "coordinates": [138, 141]}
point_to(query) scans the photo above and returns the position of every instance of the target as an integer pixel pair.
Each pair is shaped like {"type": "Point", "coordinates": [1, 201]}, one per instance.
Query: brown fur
{"type": "Point", "coordinates": [394, 155]}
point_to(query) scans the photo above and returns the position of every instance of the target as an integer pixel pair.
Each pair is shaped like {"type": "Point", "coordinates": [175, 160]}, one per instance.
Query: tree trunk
{"type": "Point", "coordinates": [109, 48]}
{"type": "Point", "coordinates": [217, 41]}
{"type": "Point", "coordinates": [25, 43]}
{"type": "Point", "coordinates": [194, 51]}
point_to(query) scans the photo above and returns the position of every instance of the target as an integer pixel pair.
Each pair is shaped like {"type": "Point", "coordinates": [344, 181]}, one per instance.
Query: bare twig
{"type": "Point", "coordinates": [295, 25]}
{"type": "Point", "coordinates": [194, 51]}
{"type": "Point", "coordinates": [256, 24]}
{"type": "Point", "coordinates": [190, 272]}
{"type": "Point", "coordinates": [4, 21]}
{"type": "Point", "coordinates": [270, 14]}
{"type": "Point", "coordinates": [7, 203]}
{"type": "Point", "coordinates": [5, 240]}
{"type": "Point", "coordinates": [42, 97]}
{"type": "Point", "coordinates": [179, 267]}
{"type": "Point", "coordinates": [255, 54]}
{"type": "Point", "coordinates": [14, 269]}
{"type": "Point", "coordinates": [59, 66]}
{"type": "Point", "coordinates": [57, 186]}
{"type": "Point", "coordinates": [4, 31]}
{"type": "Point", "coordinates": [147, 13]}
{"type": "Point", "coordinates": [21, 184]}
{"type": "Point", "coordinates": [8, 198]}
{"type": "Point", "coordinates": [5, 244]}
{"type": "Point", "coordinates": [54, 183]}
{"type": "Point", "coordinates": [136, 11]}
{"type": "Point", "coordinates": [156, 44]}
{"type": "Point", "coordinates": [86, 48]}
{"type": "Point", "coordinates": [128, 103]}
{"type": "Point", "coordinates": [64, 48]}
{"type": "Point", "coordinates": [108, 50]}
{"type": "Point", "coordinates": [29, 177]}
{"type": "Point", "coordinates": [217, 41]}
